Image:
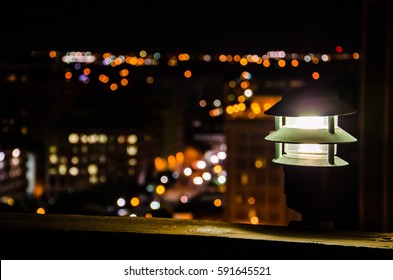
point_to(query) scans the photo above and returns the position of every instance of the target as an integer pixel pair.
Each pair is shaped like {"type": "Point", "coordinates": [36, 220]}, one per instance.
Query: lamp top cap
{"type": "Point", "coordinates": [310, 100]}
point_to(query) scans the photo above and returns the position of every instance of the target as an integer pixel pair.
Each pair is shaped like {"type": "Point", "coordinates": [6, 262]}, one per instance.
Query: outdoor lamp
{"type": "Point", "coordinates": [306, 137]}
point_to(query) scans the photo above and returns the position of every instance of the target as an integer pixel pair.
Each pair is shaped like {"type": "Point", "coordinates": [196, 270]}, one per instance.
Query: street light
{"type": "Point", "coordinates": [306, 137]}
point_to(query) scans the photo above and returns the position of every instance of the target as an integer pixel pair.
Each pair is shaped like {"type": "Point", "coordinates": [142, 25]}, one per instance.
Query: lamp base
{"type": "Point", "coordinates": [310, 192]}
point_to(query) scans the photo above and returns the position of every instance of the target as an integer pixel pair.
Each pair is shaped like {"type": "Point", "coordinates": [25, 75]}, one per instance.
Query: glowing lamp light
{"type": "Point", "coordinates": [306, 128]}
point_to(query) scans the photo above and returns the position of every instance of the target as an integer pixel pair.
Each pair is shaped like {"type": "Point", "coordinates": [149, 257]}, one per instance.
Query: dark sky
{"type": "Point", "coordinates": [195, 26]}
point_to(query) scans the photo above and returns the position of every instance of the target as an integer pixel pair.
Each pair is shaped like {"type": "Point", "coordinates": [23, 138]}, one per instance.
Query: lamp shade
{"type": "Point", "coordinates": [310, 100]}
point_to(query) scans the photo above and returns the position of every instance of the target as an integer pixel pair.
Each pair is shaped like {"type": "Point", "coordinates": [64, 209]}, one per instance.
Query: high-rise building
{"type": "Point", "coordinates": [255, 185]}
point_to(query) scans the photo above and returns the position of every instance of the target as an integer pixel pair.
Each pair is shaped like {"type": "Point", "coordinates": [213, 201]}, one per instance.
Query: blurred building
{"type": "Point", "coordinates": [14, 172]}
{"type": "Point", "coordinates": [79, 160]}
{"type": "Point", "coordinates": [255, 185]}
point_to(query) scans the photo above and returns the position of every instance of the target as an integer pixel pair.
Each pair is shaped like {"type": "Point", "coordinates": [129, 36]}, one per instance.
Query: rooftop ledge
{"type": "Point", "coordinates": [107, 237]}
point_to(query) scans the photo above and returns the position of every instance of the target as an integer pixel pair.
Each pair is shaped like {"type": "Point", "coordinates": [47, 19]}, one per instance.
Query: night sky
{"type": "Point", "coordinates": [179, 26]}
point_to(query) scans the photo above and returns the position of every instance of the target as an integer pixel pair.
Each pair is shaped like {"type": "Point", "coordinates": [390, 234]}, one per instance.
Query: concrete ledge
{"type": "Point", "coordinates": [106, 237]}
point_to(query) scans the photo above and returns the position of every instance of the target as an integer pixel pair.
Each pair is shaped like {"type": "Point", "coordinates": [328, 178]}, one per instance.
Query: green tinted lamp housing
{"type": "Point", "coordinates": [306, 128]}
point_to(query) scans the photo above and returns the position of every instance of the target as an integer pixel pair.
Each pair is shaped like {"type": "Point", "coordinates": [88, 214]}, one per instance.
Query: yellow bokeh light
{"type": "Point", "coordinates": [241, 98]}
{"type": "Point", "coordinates": [243, 61]}
{"type": "Point", "coordinates": [179, 157]}
{"type": "Point", "coordinates": [171, 162]}
{"type": "Point", "coordinates": [281, 63]}
{"type": "Point", "coordinates": [134, 201]}
{"type": "Point", "coordinates": [124, 72]}
{"type": "Point", "coordinates": [113, 87]}
{"type": "Point", "coordinates": [124, 82]}
{"type": "Point", "coordinates": [40, 210]}
{"type": "Point", "coordinates": [160, 189]}
{"type": "Point", "coordinates": [87, 71]}
{"type": "Point", "coordinates": [52, 54]}
{"type": "Point", "coordinates": [295, 63]}
{"type": "Point", "coordinates": [254, 220]}
{"type": "Point", "coordinates": [217, 169]}
{"type": "Point", "coordinates": [68, 75]}
{"type": "Point", "coordinates": [245, 84]}
{"type": "Point", "coordinates": [160, 164]}
{"type": "Point", "coordinates": [187, 74]}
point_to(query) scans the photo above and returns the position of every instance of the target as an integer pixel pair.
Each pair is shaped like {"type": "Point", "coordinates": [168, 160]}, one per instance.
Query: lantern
{"type": "Point", "coordinates": [306, 136]}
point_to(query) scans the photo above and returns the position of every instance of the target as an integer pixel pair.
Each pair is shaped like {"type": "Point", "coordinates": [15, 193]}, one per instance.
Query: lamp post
{"type": "Point", "coordinates": [306, 137]}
